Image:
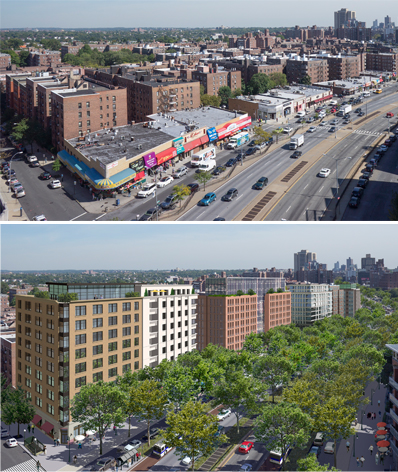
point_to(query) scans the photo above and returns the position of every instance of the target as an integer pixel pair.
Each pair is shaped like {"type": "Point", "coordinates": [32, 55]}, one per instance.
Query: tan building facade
{"type": "Point", "coordinates": [277, 310]}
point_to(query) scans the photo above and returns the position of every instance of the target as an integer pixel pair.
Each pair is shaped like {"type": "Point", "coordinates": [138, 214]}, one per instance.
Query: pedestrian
{"type": "Point", "coordinates": [55, 442]}
{"type": "Point", "coordinates": [357, 461]}
{"type": "Point", "coordinates": [38, 466]}
{"type": "Point", "coordinates": [33, 429]}
{"type": "Point", "coordinates": [80, 445]}
{"type": "Point", "coordinates": [371, 449]}
{"type": "Point", "coordinates": [44, 449]}
{"type": "Point", "coordinates": [362, 459]}
{"type": "Point", "coordinates": [129, 191]}
{"type": "Point", "coordinates": [74, 459]}
{"type": "Point", "coordinates": [137, 455]}
{"type": "Point", "coordinates": [381, 458]}
{"type": "Point", "coordinates": [377, 458]}
{"type": "Point", "coordinates": [379, 414]}
{"type": "Point", "coordinates": [378, 402]}
{"type": "Point", "coordinates": [28, 428]}
{"type": "Point", "coordinates": [348, 446]}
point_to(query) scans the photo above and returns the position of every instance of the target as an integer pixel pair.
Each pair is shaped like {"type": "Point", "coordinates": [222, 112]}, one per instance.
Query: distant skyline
{"type": "Point", "coordinates": [183, 13]}
{"type": "Point", "coordinates": [190, 246]}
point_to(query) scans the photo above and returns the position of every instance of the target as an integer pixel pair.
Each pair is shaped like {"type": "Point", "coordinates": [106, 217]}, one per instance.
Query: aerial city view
{"type": "Point", "coordinates": [250, 360]}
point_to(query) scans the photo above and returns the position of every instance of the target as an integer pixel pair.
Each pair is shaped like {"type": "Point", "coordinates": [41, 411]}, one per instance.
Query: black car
{"type": "Point", "coordinates": [35, 164]}
{"type": "Point", "coordinates": [10, 172]}
{"type": "Point", "coordinates": [150, 214]}
{"type": "Point", "coordinates": [392, 138]}
{"type": "Point", "coordinates": [362, 183]}
{"type": "Point", "coordinates": [358, 110]}
{"type": "Point", "coordinates": [250, 151]}
{"type": "Point", "coordinates": [240, 156]}
{"type": "Point", "coordinates": [357, 192]}
{"type": "Point", "coordinates": [261, 183]}
{"type": "Point", "coordinates": [153, 432]}
{"type": "Point", "coordinates": [297, 154]}
{"type": "Point", "coordinates": [354, 202]}
{"type": "Point", "coordinates": [219, 218]}
{"type": "Point", "coordinates": [170, 202]}
{"type": "Point", "coordinates": [218, 170]}
{"type": "Point", "coordinates": [361, 113]}
{"type": "Point", "coordinates": [194, 187]}
{"type": "Point", "coordinates": [332, 129]}
{"type": "Point", "coordinates": [230, 195]}
{"type": "Point", "coordinates": [231, 162]}
{"type": "Point", "coordinates": [369, 167]}
{"type": "Point", "coordinates": [45, 176]}
{"type": "Point", "coordinates": [252, 143]}
{"type": "Point", "coordinates": [367, 175]}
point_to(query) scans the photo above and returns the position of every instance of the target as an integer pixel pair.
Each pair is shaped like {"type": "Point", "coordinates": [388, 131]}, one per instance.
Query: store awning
{"type": "Point", "coordinates": [193, 144]}
{"type": "Point", "coordinates": [125, 457]}
{"type": "Point", "coordinates": [47, 427]}
{"type": "Point", "coordinates": [204, 139]}
{"type": "Point", "coordinates": [36, 419]}
{"type": "Point", "coordinates": [166, 155]}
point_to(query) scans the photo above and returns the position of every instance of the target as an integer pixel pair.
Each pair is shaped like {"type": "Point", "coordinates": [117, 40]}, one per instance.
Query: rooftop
{"type": "Point", "coordinates": [8, 337]}
{"type": "Point", "coordinates": [87, 91]}
{"type": "Point", "coordinates": [393, 347]}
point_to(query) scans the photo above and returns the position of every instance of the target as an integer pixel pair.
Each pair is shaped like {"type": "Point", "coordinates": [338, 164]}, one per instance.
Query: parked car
{"type": "Point", "coordinates": [366, 175]}
{"type": "Point", "coordinates": [388, 142]}
{"type": "Point", "coordinates": [245, 447]}
{"type": "Point", "coordinates": [246, 467]}
{"type": "Point", "coordinates": [31, 158]}
{"type": "Point", "coordinates": [153, 432]}
{"type": "Point", "coordinates": [357, 192]}
{"type": "Point", "coordinates": [147, 189]}
{"type": "Point", "coordinates": [55, 184]}
{"type": "Point", "coordinates": [324, 173]}
{"type": "Point", "coordinates": [288, 129]}
{"type": "Point", "coordinates": [252, 143]}
{"type": "Point", "coordinates": [183, 170]}
{"type": "Point", "coordinates": [188, 460]}
{"type": "Point", "coordinates": [170, 202]}
{"type": "Point", "coordinates": [392, 138]}
{"type": "Point", "coordinates": [151, 214]}
{"type": "Point", "coordinates": [194, 187]}
{"type": "Point", "coordinates": [362, 183]}
{"type": "Point", "coordinates": [134, 444]}
{"type": "Point", "coordinates": [297, 154]}
{"type": "Point", "coordinates": [353, 203]}
{"type": "Point", "coordinates": [219, 170]}
{"type": "Point", "coordinates": [260, 146]}
{"type": "Point", "coordinates": [11, 442]}
{"type": "Point", "coordinates": [240, 156]}
{"type": "Point", "coordinates": [230, 195]}
{"type": "Point", "coordinates": [207, 199]}
{"type": "Point", "coordinates": [329, 448]}
{"type": "Point", "coordinates": [103, 464]}
{"type": "Point", "coordinates": [165, 181]}
{"type": "Point", "coordinates": [250, 151]}
{"type": "Point", "coordinates": [20, 192]}
{"type": "Point", "coordinates": [39, 218]}
{"type": "Point", "coordinates": [369, 167]}
{"type": "Point", "coordinates": [311, 119]}
{"type": "Point", "coordinates": [231, 162]}
{"type": "Point", "coordinates": [12, 180]}
{"type": "Point", "coordinates": [261, 183]}
{"type": "Point", "coordinates": [224, 413]}
{"type": "Point", "coordinates": [16, 186]}
{"type": "Point", "coordinates": [45, 176]}
{"type": "Point", "coordinates": [4, 433]}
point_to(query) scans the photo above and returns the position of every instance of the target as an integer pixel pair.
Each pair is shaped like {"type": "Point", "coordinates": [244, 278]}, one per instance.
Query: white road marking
{"type": "Point", "coordinates": [288, 209]}
{"type": "Point", "coordinates": [305, 187]}
{"type": "Point", "coordinates": [321, 188]}
{"type": "Point", "coordinates": [76, 217]}
{"type": "Point", "coordinates": [98, 217]}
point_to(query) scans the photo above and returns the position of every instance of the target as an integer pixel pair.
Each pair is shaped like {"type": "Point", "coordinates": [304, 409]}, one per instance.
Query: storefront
{"type": "Point", "coordinates": [231, 128]}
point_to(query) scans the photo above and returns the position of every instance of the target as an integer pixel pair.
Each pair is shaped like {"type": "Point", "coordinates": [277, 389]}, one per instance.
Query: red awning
{"type": "Point", "coordinates": [139, 176]}
{"type": "Point", "coordinates": [204, 139]}
{"type": "Point", "coordinates": [47, 427]}
{"type": "Point", "coordinates": [193, 144]}
{"type": "Point", "coordinates": [36, 419]}
{"type": "Point", "coordinates": [166, 155]}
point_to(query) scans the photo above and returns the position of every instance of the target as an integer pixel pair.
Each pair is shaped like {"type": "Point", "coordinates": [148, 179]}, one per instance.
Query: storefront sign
{"type": "Point", "coordinates": [194, 135]}
{"type": "Point", "coordinates": [166, 155]}
{"type": "Point", "coordinates": [212, 134]}
{"type": "Point", "coordinates": [110, 166]}
{"type": "Point", "coordinates": [230, 128]}
{"type": "Point", "coordinates": [178, 144]}
{"type": "Point", "coordinates": [150, 160]}
{"type": "Point", "coordinates": [138, 165]}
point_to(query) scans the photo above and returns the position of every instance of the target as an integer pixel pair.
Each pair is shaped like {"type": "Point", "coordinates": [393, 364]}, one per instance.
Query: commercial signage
{"type": "Point", "coordinates": [212, 134]}
{"type": "Point", "coordinates": [110, 166]}
{"type": "Point", "coordinates": [166, 155]}
{"type": "Point", "coordinates": [230, 128]}
{"type": "Point", "coordinates": [178, 144]}
{"type": "Point", "coordinates": [150, 160]}
{"type": "Point", "coordinates": [138, 165]}
{"type": "Point", "coordinates": [194, 135]}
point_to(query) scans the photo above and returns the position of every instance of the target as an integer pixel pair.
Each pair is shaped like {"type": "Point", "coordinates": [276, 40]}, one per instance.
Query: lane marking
{"type": "Point", "coordinates": [76, 217]}
{"type": "Point", "coordinates": [95, 219]}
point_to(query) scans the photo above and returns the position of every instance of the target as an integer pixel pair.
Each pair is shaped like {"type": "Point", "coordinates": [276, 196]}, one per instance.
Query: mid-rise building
{"type": "Point", "coordinates": [44, 57]}
{"type": "Point", "coordinates": [302, 258]}
{"type": "Point", "coordinates": [300, 67]}
{"type": "Point", "coordinates": [310, 303]}
{"type": "Point", "coordinates": [277, 309]}
{"type": "Point", "coordinates": [343, 17]}
{"type": "Point", "coordinates": [8, 367]}
{"type": "Point", "coordinates": [346, 299]}
{"type": "Point", "coordinates": [368, 262]}
{"type": "Point", "coordinates": [344, 67]}
{"type": "Point", "coordinates": [212, 78]}
{"type": "Point", "coordinates": [5, 60]}
{"type": "Point", "coordinates": [393, 397]}
{"type": "Point", "coordinates": [383, 62]}
{"type": "Point", "coordinates": [226, 320]}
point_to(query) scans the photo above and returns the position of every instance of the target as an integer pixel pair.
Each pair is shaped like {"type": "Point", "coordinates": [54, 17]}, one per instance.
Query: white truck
{"type": "Point", "coordinates": [296, 141]}
{"type": "Point", "coordinates": [238, 140]}
{"type": "Point", "coordinates": [200, 157]}
{"type": "Point", "coordinates": [346, 109]}
{"type": "Point", "coordinates": [207, 165]}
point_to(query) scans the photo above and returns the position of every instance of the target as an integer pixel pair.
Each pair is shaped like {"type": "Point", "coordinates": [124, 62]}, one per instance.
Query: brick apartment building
{"type": "Point", "coordinates": [346, 299]}
{"type": "Point", "coordinates": [5, 60]}
{"type": "Point", "coordinates": [344, 67]}
{"type": "Point", "coordinates": [8, 367]}
{"type": "Point", "coordinates": [212, 78]}
{"type": "Point", "coordinates": [316, 69]}
{"type": "Point", "coordinates": [277, 310]}
{"type": "Point", "coordinates": [101, 47]}
{"type": "Point", "coordinates": [393, 397]}
{"type": "Point", "coordinates": [358, 33]}
{"type": "Point", "coordinates": [303, 34]}
{"type": "Point", "coordinates": [44, 57]}
{"type": "Point", "coordinates": [266, 69]}
{"type": "Point", "coordinates": [226, 320]}
{"type": "Point", "coordinates": [386, 62]}
{"type": "Point", "coordinates": [261, 40]}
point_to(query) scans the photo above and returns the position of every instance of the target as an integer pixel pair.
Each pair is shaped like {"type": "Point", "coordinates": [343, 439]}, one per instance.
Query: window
{"type": "Point", "coordinates": [39, 375]}
{"type": "Point", "coordinates": [100, 99]}
{"type": "Point", "coordinates": [112, 359]}
{"type": "Point", "coordinates": [98, 376]}
{"type": "Point", "coordinates": [136, 317]}
{"type": "Point", "coordinates": [126, 319]}
{"type": "Point", "coordinates": [50, 352]}
{"type": "Point", "coordinates": [80, 339]}
{"type": "Point", "coordinates": [136, 365]}
{"type": "Point", "coordinates": [39, 402]}
{"type": "Point", "coordinates": [79, 105]}
{"type": "Point", "coordinates": [28, 382]}
{"type": "Point", "coordinates": [39, 388]}
{"type": "Point", "coordinates": [50, 338]}
{"type": "Point", "coordinates": [80, 367]}
{"type": "Point", "coordinates": [97, 322]}
{"type": "Point", "coordinates": [97, 336]}
{"type": "Point", "coordinates": [80, 381]}
{"type": "Point", "coordinates": [97, 350]}
{"type": "Point", "coordinates": [137, 353]}
{"type": "Point", "coordinates": [80, 114]}
{"type": "Point", "coordinates": [80, 353]}
{"type": "Point", "coordinates": [171, 337]}
{"type": "Point", "coordinates": [112, 347]}
{"type": "Point", "coordinates": [112, 372]}
{"type": "Point", "coordinates": [126, 355]}
{"type": "Point", "coordinates": [136, 341]}
{"type": "Point", "coordinates": [126, 367]}
{"type": "Point", "coordinates": [112, 320]}
{"type": "Point", "coordinates": [39, 348]}
{"type": "Point", "coordinates": [50, 409]}
{"type": "Point", "coordinates": [80, 324]}
{"type": "Point", "coordinates": [112, 333]}
{"type": "Point", "coordinates": [88, 122]}
{"type": "Point", "coordinates": [126, 306]}
{"type": "Point", "coordinates": [113, 99]}
{"type": "Point", "coordinates": [136, 305]}
{"type": "Point", "coordinates": [80, 124]}
{"type": "Point", "coordinates": [101, 107]}
{"type": "Point", "coordinates": [112, 307]}
{"type": "Point", "coordinates": [163, 350]}
{"type": "Point", "coordinates": [87, 104]}
{"type": "Point", "coordinates": [50, 324]}
{"type": "Point", "coordinates": [97, 309]}
{"type": "Point", "coordinates": [127, 331]}
{"type": "Point", "coordinates": [126, 343]}
{"type": "Point", "coordinates": [80, 310]}
{"type": "Point", "coordinates": [88, 114]}
{"type": "Point", "coordinates": [50, 366]}
{"type": "Point", "coordinates": [50, 381]}
{"type": "Point", "coordinates": [97, 363]}
{"type": "Point", "coordinates": [136, 329]}
{"type": "Point", "coordinates": [50, 395]}
{"type": "Point", "coordinates": [39, 361]}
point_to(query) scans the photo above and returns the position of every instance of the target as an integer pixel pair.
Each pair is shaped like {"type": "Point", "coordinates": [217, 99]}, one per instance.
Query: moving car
{"type": "Point", "coordinates": [219, 218]}
{"type": "Point", "coordinates": [150, 214]}
{"type": "Point", "coordinates": [147, 189]}
{"type": "Point", "coordinates": [329, 448]}
{"type": "Point", "coordinates": [300, 114]}
{"type": "Point", "coordinates": [180, 172]}
{"type": "Point", "coordinates": [165, 181]}
{"type": "Point", "coordinates": [207, 199]}
{"type": "Point", "coordinates": [324, 172]}
{"type": "Point", "coordinates": [103, 464]}
{"type": "Point", "coordinates": [332, 129]}
{"type": "Point", "coordinates": [361, 113]}
{"type": "Point", "coordinates": [261, 183]}
{"type": "Point", "coordinates": [39, 218]}
{"type": "Point", "coordinates": [297, 154]}
{"type": "Point", "coordinates": [193, 187]}
{"type": "Point", "coordinates": [288, 129]}
{"type": "Point", "coordinates": [170, 202]}
{"type": "Point", "coordinates": [34, 164]}
{"type": "Point", "coordinates": [11, 442]}
{"type": "Point", "coordinates": [134, 444]}
{"type": "Point", "coordinates": [323, 123]}
{"type": "Point", "coordinates": [153, 432]}
{"type": "Point", "coordinates": [353, 203]}
{"type": "Point", "coordinates": [188, 460]}
{"type": "Point", "coordinates": [224, 413]}
{"type": "Point", "coordinates": [389, 115]}
{"type": "Point", "coordinates": [230, 195]}
{"type": "Point", "coordinates": [246, 468]}
{"type": "Point", "coordinates": [311, 119]}
{"type": "Point", "coordinates": [55, 184]}
{"type": "Point", "coordinates": [45, 176]}
{"type": "Point", "coordinates": [312, 129]}
{"type": "Point", "coordinates": [334, 122]}
{"type": "Point", "coordinates": [31, 159]}
{"type": "Point", "coordinates": [245, 447]}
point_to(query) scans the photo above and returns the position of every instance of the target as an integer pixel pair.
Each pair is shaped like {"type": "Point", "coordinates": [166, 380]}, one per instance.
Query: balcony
{"type": "Point", "coordinates": [393, 415]}
{"type": "Point", "coordinates": [393, 400]}
{"type": "Point", "coordinates": [394, 448]}
{"type": "Point", "coordinates": [393, 383]}
{"type": "Point", "coordinates": [394, 432]}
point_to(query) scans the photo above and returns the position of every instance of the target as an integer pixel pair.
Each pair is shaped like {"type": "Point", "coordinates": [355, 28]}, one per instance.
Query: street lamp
{"type": "Point", "coordinates": [9, 172]}
{"type": "Point", "coordinates": [70, 439]}
{"type": "Point", "coordinates": [24, 431]}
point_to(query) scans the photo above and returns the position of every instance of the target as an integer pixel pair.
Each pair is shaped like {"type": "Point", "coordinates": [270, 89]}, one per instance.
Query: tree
{"type": "Point", "coordinates": [5, 288]}
{"type": "Point", "coordinates": [5, 391]}
{"type": "Point", "coordinates": [148, 400]}
{"type": "Point", "coordinates": [23, 58]}
{"type": "Point", "coordinates": [180, 385]}
{"type": "Point", "coordinates": [125, 382]}
{"type": "Point", "coordinates": [251, 292]}
{"type": "Point", "coordinates": [192, 431]}
{"type": "Point", "coordinates": [260, 83]}
{"type": "Point", "coordinates": [261, 136]}
{"type": "Point", "coordinates": [203, 178]}
{"type": "Point", "coordinates": [56, 167]}
{"type": "Point", "coordinates": [271, 290]}
{"type": "Point", "coordinates": [282, 425]}
{"type": "Point", "coordinates": [20, 131]}
{"type": "Point", "coordinates": [239, 293]}
{"type": "Point", "coordinates": [67, 297]}
{"type": "Point", "coordinates": [311, 463]}
{"type": "Point", "coordinates": [254, 344]}
{"type": "Point", "coordinates": [273, 370]}
{"type": "Point", "coordinates": [393, 211]}
{"type": "Point", "coordinates": [210, 100]}
{"type": "Point", "coordinates": [306, 80]}
{"type": "Point", "coordinates": [202, 90]}
{"type": "Point", "coordinates": [224, 93]}
{"type": "Point", "coordinates": [18, 409]}
{"type": "Point", "coordinates": [237, 93]}
{"type": "Point", "coordinates": [181, 191]}
{"type": "Point", "coordinates": [278, 79]}
{"type": "Point", "coordinates": [52, 44]}
{"type": "Point", "coordinates": [97, 406]}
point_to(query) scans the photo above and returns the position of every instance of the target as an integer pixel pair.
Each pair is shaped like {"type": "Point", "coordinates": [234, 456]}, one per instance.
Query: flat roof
{"type": "Point", "coordinates": [358, 81]}
{"type": "Point", "coordinates": [88, 91]}
{"type": "Point", "coordinates": [8, 337]}
{"type": "Point", "coordinates": [393, 347]}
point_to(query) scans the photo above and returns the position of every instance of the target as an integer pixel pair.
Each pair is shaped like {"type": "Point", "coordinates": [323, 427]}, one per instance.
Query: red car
{"type": "Point", "coordinates": [245, 447]}
{"type": "Point", "coordinates": [333, 110]}
{"type": "Point", "coordinates": [387, 142]}
{"type": "Point", "coordinates": [389, 115]}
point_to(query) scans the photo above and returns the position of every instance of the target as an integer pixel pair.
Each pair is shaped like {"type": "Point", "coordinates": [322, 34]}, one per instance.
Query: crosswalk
{"type": "Point", "coordinates": [366, 132]}
{"type": "Point", "coordinates": [27, 466]}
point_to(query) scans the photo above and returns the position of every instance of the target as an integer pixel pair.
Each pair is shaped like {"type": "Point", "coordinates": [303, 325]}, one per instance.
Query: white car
{"type": "Point", "coordinates": [4, 433]}
{"type": "Point", "coordinates": [165, 181]}
{"type": "Point", "coordinates": [12, 442]}
{"type": "Point", "coordinates": [222, 414]}
{"type": "Point", "coordinates": [324, 172]}
{"type": "Point", "coordinates": [147, 189]}
{"type": "Point", "coordinates": [301, 114]}
{"type": "Point", "coordinates": [246, 467]}
{"type": "Point", "coordinates": [383, 148]}
{"type": "Point", "coordinates": [39, 218]}
{"type": "Point", "coordinates": [55, 184]}
{"type": "Point", "coordinates": [288, 129]}
{"type": "Point", "coordinates": [188, 460]}
{"type": "Point", "coordinates": [20, 192]}
{"type": "Point", "coordinates": [323, 123]}
{"type": "Point", "coordinates": [31, 158]}
{"type": "Point", "coordinates": [329, 448]}
{"type": "Point", "coordinates": [312, 129]}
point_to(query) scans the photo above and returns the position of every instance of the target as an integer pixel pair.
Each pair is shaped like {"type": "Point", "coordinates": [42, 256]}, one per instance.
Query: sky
{"type": "Point", "coordinates": [184, 13]}
{"type": "Point", "coordinates": [126, 246]}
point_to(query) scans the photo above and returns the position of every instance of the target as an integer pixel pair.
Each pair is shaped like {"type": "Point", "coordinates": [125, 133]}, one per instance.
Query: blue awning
{"type": "Point", "coordinates": [97, 180]}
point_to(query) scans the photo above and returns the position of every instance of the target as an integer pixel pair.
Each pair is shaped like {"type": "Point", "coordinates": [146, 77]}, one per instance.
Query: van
{"type": "Point", "coordinates": [318, 439]}
{"type": "Point", "coordinates": [208, 165]}
{"type": "Point", "coordinates": [160, 449]}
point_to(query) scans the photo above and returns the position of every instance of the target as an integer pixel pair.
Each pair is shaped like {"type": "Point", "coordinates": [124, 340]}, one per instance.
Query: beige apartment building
{"type": "Point", "coordinates": [62, 346]}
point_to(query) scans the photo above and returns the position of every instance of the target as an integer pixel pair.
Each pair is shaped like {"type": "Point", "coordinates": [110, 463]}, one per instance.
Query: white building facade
{"type": "Point", "coordinates": [310, 303]}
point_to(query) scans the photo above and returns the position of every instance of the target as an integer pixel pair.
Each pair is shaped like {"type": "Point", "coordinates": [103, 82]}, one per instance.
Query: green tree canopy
{"type": "Point", "coordinates": [260, 83]}
{"type": "Point", "coordinates": [5, 288]}
{"type": "Point", "coordinates": [210, 100]}
{"type": "Point", "coordinates": [224, 93]}
{"type": "Point", "coordinates": [306, 80]}
{"type": "Point", "coordinates": [203, 178]}
{"type": "Point", "coordinates": [67, 297]}
{"type": "Point", "coordinates": [18, 409]}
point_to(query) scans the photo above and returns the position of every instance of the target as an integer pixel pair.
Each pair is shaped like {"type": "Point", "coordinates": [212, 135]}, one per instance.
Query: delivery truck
{"type": "Point", "coordinates": [296, 141]}
{"type": "Point", "coordinates": [201, 156]}
{"type": "Point", "coordinates": [238, 140]}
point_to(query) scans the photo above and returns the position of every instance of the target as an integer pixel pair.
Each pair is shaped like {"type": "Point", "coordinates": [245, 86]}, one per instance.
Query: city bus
{"type": "Point", "coordinates": [276, 456]}
{"type": "Point", "coordinates": [160, 449]}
